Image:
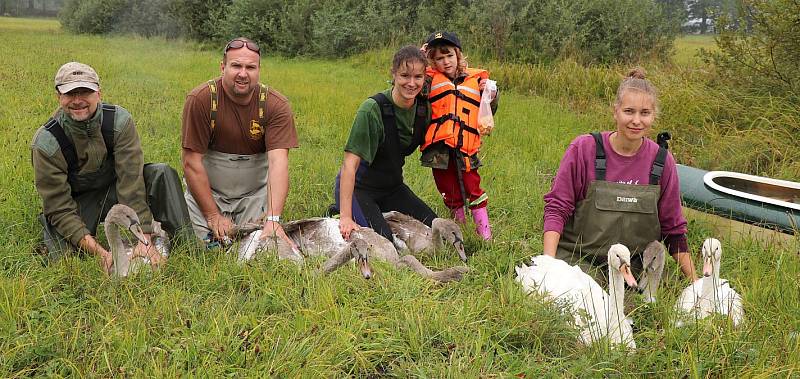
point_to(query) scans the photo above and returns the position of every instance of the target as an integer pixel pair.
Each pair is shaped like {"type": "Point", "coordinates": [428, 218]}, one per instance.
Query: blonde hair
{"type": "Point", "coordinates": [461, 67]}
{"type": "Point", "coordinates": [635, 81]}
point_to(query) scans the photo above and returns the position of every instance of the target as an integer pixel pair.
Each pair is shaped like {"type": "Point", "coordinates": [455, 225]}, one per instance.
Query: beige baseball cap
{"type": "Point", "coordinates": [76, 75]}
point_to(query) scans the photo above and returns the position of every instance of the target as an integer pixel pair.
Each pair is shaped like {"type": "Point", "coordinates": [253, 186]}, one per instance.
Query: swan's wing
{"type": "Point", "coordinates": [687, 307]}
{"type": "Point", "coordinates": [690, 297]}
{"type": "Point", "coordinates": [249, 245]}
{"type": "Point", "coordinates": [317, 236]}
{"type": "Point", "coordinates": [413, 232]}
{"type": "Point", "coordinates": [730, 302]}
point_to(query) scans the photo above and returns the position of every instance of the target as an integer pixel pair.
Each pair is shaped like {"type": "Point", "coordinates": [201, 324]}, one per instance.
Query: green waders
{"type": "Point", "coordinates": [96, 192]}
{"type": "Point", "coordinates": [612, 213]}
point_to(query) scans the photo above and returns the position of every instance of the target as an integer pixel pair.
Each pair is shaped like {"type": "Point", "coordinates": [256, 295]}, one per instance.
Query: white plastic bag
{"type": "Point", "coordinates": [485, 117]}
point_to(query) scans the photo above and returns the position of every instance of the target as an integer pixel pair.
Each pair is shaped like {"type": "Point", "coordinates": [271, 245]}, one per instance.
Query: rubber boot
{"type": "Point", "coordinates": [481, 218]}
{"type": "Point", "coordinates": [458, 215]}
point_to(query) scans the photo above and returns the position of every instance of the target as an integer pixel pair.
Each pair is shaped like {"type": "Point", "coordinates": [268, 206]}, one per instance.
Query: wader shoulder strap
{"type": "Point", "coordinates": [107, 127]}
{"type": "Point", "coordinates": [658, 166]}
{"type": "Point", "coordinates": [389, 122]}
{"type": "Point", "coordinates": [68, 148]}
{"type": "Point", "coordinates": [663, 139]}
{"type": "Point", "coordinates": [262, 105]}
{"type": "Point", "coordinates": [387, 111]}
{"type": "Point", "coordinates": [420, 126]}
{"type": "Point", "coordinates": [599, 158]}
{"type": "Point", "coordinates": [212, 89]}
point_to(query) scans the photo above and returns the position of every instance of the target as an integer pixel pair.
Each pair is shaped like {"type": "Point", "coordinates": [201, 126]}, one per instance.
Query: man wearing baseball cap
{"type": "Point", "coordinates": [86, 158]}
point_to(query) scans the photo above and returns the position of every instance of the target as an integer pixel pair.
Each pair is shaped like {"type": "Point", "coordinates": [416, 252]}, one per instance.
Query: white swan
{"type": "Point", "coordinates": [418, 237]}
{"type": "Point", "coordinates": [596, 313]}
{"type": "Point", "coordinates": [709, 294]}
{"type": "Point", "coordinates": [121, 215]}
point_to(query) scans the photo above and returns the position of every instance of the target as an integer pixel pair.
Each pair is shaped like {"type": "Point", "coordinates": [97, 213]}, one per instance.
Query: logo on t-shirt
{"type": "Point", "coordinates": [256, 131]}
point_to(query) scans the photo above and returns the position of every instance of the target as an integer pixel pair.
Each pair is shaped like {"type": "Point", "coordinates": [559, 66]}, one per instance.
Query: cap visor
{"type": "Point", "coordinates": [64, 88]}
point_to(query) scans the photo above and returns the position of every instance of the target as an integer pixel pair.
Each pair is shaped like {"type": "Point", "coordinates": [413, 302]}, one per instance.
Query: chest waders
{"type": "Point", "coordinates": [612, 213]}
{"type": "Point", "coordinates": [95, 192]}
{"type": "Point", "coordinates": [238, 181]}
{"type": "Point", "coordinates": [386, 171]}
{"type": "Point", "coordinates": [379, 186]}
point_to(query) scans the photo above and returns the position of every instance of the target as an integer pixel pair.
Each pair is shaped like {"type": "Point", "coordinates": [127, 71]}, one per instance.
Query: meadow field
{"type": "Point", "coordinates": [205, 315]}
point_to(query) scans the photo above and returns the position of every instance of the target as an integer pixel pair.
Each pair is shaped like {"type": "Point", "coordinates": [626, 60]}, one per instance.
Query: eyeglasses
{"type": "Point", "coordinates": [78, 92]}
{"type": "Point", "coordinates": [238, 44]}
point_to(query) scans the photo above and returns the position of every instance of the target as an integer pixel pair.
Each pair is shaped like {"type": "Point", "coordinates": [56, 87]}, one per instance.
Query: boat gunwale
{"type": "Point", "coordinates": [709, 176]}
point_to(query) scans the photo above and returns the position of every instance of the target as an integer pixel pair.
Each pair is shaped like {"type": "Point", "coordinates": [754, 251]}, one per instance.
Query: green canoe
{"type": "Point", "coordinates": [765, 202]}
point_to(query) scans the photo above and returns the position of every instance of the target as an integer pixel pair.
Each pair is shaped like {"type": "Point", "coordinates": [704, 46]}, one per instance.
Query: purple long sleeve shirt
{"type": "Point", "coordinates": [576, 171]}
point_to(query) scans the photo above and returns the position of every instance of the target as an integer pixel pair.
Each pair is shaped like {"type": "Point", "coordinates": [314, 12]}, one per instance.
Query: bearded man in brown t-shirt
{"type": "Point", "coordinates": [236, 135]}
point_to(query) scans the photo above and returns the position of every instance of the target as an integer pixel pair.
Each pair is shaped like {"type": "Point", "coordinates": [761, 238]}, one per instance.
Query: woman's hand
{"type": "Point", "coordinates": [347, 225]}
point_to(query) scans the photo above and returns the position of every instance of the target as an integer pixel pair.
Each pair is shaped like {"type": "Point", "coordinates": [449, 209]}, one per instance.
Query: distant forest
{"type": "Point", "coordinates": [38, 8]}
{"type": "Point", "coordinates": [695, 16]}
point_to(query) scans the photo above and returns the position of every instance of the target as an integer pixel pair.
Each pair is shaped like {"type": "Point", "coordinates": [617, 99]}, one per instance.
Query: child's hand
{"type": "Point", "coordinates": [424, 48]}
{"type": "Point", "coordinates": [482, 85]}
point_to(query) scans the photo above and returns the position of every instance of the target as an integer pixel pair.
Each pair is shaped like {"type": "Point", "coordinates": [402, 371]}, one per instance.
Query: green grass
{"type": "Point", "coordinates": [687, 48]}
{"type": "Point", "coordinates": [205, 315]}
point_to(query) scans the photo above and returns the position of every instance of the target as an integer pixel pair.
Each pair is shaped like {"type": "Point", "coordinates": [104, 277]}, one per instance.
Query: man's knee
{"type": "Point", "coordinates": [56, 245]}
{"type": "Point", "coordinates": [160, 172]}
{"type": "Point", "coordinates": [165, 197]}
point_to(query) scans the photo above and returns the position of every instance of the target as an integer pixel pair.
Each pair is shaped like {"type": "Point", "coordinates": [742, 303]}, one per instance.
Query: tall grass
{"type": "Point", "coordinates": [714, 125]}
{"type": "Point", "coordinates": [204, 315]}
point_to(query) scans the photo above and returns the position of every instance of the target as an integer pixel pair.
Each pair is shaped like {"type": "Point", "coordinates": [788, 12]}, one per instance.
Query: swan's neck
{"type": "Point", "coordinates": [708, 301]}
{"type": "Point", "coordinates": [616, 293]}
{"type": "Point", "coordinates": [436, 238]}
{"type": "Point", "coordinates": [114, 242]}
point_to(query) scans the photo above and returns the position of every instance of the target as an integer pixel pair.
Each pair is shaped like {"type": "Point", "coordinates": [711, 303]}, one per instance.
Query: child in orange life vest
{"type": "Point", "coordinates": [453, 139]}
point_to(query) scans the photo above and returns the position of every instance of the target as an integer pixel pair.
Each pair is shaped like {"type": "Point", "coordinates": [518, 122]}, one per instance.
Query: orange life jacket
{"type": "Point", "coordinates": [454, 111]}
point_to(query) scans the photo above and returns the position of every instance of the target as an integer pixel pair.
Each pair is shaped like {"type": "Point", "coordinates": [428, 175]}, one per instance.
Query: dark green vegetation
{"type": "Point", "coordinates": [205, 315]}
{"type": "Point", "coordinates": [526, 31]}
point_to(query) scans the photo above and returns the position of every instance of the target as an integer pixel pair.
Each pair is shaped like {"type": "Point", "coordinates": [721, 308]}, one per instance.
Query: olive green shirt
{"type": "Point", "coordinates": [50, 169]}
{"type": "Point", "coordinates": [366, 135]}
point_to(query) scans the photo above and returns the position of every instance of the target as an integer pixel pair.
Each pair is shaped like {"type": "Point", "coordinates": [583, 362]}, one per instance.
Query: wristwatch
{"type": "Point", "coordinates": [274, 218]}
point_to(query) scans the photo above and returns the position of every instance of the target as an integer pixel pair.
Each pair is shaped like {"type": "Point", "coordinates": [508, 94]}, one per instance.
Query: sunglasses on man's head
{"type": "Point", "coordinates": [238, 44]}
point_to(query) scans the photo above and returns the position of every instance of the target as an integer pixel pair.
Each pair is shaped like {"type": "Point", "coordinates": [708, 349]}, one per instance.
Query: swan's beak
{"type": "Point", "coordinates": [137, 231]}
{"type": "Point", "coordinates": [363, 265]}
{"type": "Point", "coordinates": [626, 274]}
{"type": "Point", "coordinates": [707, 268]}
{"type": "Point", "coordinates": [459, 245]}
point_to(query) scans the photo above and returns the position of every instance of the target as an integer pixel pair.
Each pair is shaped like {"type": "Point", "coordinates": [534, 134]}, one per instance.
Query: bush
{"type": "Point", "coordinates": [142, 17]}
{"type": "Point", "coordinates": [760, 50]}
{"type": "Point", "coordinates": [198, 19]}
{"type": "Point", "coordinates": [91, 16]}
{"type": "Point", "coordinates": [524, 31]}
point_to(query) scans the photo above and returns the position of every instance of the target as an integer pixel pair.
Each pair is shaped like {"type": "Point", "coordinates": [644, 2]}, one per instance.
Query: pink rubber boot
{"type": "Point", "coordinates": [481, 218]}
{"type": "Point", "coordinates": [458, 215]}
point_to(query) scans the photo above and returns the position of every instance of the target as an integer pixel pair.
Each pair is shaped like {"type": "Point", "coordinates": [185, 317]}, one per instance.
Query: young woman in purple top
{"type": "Point", "coordinates": [617, 187]}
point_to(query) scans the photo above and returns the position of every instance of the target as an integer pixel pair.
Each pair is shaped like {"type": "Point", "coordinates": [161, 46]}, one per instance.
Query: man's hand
{"type": "Point", "coordinates": [148, 251]}
{"type": "Point", "coordinates": [347, 225]}
{"type": "Point", "coordinates": [220, 226]}
{"type": "Point", "coordinates": [106, 261]}
{"type": "Point", "coordinates": [274, 229]}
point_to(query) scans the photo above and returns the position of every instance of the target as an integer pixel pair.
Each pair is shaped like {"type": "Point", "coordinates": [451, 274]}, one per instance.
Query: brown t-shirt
{"type": "Point", "coordinates": [237, 130]}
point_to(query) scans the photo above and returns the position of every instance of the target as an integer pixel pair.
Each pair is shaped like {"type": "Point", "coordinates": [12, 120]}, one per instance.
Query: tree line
{"type": "Point", "coordinates": [516, 30]}
{"type": "Point", "coordinates": [39, 8]}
